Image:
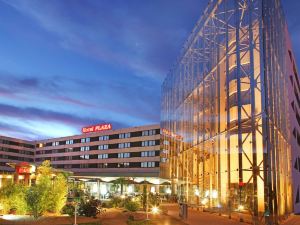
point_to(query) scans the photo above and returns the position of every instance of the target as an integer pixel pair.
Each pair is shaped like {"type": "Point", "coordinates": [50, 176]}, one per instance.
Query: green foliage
{"type": "Point", "coordinates": [119, 182]}
{"type": "Point", "coordinates": [132, 206]}
{"type": "Point", "coordinates": [57, 198]}
{"type": "Point", "coordinates": [38, 196]}
{"type": "Point", "coordinates": [90, 208]}
{"type": "Point", "coordinates": [12, 198]}
{"type": "Point", "coordinates": [45, 168]}
{"type": "Point", "coordinates": [68, 209]}
{"type": "Point", "coordinates": [49, 193]}
{"type": "Point", "coordinates": [144, 197]}
{"type": "Point", "coordinates": [116, 202]}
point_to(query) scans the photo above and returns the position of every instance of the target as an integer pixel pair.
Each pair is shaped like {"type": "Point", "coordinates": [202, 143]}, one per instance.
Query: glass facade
{"type": "Point", "coordinates": [225, 113]}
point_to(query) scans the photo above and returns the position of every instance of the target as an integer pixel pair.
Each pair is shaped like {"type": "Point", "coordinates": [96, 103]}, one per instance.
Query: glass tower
{"type": "Point", "coordinates": [229, 114]}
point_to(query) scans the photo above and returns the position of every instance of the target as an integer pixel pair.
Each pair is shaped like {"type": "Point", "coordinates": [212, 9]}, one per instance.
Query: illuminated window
{"type": "Point", "coordinates": [145, 133]}
{"type": "Point", "coordinates": [55, 143]}
{"type": "Point", "coordinates": [147, 164]}
{"type": "Point", "coordinates": [69, 142]}
{"type": "Point", "coordinates": [124, 145]}
{"type": "Point", "coordinates": [103, 147]}
{"type": "Point", "coordinates": [148, 143]}
{"type": "Point", "coordinates": [103, 156]}
{"type": "Point", "coordinates": [84, 157]}
{"type": "Point", "coordinates": [152, 132]}
{"type": "Point", "coordinates": [104, 138]}
{"type": "Point", "coordinates": [148, 154]}
{"type": "Point", "coordinates": [124, 155]}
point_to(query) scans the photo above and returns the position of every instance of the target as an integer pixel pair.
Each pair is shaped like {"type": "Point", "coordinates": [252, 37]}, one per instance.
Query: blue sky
{"type": "Point", "coordinates": [65, 64]}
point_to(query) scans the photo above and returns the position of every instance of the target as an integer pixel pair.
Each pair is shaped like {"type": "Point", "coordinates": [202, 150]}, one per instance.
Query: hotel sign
{"type": "Point", "coordinates": [97, 128]}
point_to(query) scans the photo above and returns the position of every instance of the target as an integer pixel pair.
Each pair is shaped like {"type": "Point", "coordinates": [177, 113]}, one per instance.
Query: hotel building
{"type": "Point", "coordinates": [230, 114]}
{"type": "Point", "coordinates": [15, 150]}
{"type": "Point", "coordinates": [130, 152]}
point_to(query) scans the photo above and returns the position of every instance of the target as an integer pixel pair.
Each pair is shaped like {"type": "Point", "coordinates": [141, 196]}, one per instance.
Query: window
{"type": "Point", "coordinates": [147, 164]}
{"type": "Point", "coordinates": [124, 145]}
{"type": "Point", "coordinates": [124, 135]}
{"type": "Point", "coordinates": [145, 133]}
{"type": "Point", "coordinates": [124, 155]}
{"type": "Point", "coordinates": [87, 139]}
{"type": "Point", "coordinates": [152, 132]}
{"type": "Point", "coordinates": [84, 148]}
{"type": "Point", "coordinates": [84, 165]}
{"type": "Point", "coordinates": [103, 147]}
{"type": "Point", "coordinates": [148, 154]}
{"type": "Point", "coordinates": [103, 156]}
{"type": "Point", "coordinates": [103, 138]}
{"type": "Point", "coordinates": [102, 165]}
{"type": "Point", "coordinates": [84, 157]}
{"type": "Point", "coordinates": [69, 142]}
{"type": "Point", "coordinates": [55, 143]}
{"type": "Point", "coordinates": [123, 165]}
{"type": "Point", "coordinates": [82, 140]}
{"type": "Point", "coordinates": [148, 143]}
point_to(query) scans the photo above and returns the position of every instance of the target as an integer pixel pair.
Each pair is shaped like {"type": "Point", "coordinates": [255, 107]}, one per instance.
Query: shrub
{"type": "Point", "coordinates": [132, 206]}
{"type": "Point", "coordinates": [58, 196]}
{"type": "Point", "coordinates": [38, 196]}
{"type": "Point", "coordinates": [89, 208]}
{"type": "Point", "coordinates": [68, 209]}
{"type": "Point", "coordinates": [116, 202]}
{"type": "Point", "coordinates": [13, 198]}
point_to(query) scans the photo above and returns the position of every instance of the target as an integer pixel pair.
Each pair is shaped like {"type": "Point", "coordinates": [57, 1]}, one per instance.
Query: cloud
{"type": "Point", "coordinates": [125, 35]}
{"type": "Point", "coordinates": [31, 113]}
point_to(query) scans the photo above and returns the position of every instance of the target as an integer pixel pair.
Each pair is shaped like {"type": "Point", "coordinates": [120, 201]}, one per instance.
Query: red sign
{"type": "Point", "coordinates": [22, 170]}
{"type": "Point", "coordinates": [97, 128]}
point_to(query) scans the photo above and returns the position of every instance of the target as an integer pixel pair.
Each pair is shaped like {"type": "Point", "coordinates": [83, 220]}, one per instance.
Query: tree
{"type": "Point", "coordinates": [49, 193]}
{"type": "Point", "coordinates": [58, 196]}
{"type": "Point", "coordinates": [120, 181]}
{"type": "Point", "coordinates": [12, 198]}
{"type": "Point", "coordinates": [38, 196]}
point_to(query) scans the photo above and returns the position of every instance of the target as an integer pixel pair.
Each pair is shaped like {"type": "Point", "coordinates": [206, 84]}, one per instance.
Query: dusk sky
{"type": "Point", "coordinates": [65, 64]}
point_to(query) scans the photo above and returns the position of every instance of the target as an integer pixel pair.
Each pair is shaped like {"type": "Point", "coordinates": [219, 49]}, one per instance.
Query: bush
{"type": "Point", "coordinates": [132, 206]}
{"type": "Point", "coordinates": [13, 198]}
{"type": "Point", "coordinates": [68, 209]}
{"type": "Point", "coordinates": [58, 196]}
{"type": "Point", "coordinates": [38, 196]}
{"type": "Point", "coordinates": [117, 202]}
{"type": "Point", "coordinates": [89, 208]}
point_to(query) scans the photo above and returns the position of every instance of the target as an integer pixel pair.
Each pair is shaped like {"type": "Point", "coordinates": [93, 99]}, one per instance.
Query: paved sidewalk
{"type": "Point", "coordinates": [198, 218]}
{"type": "Point", "coordinates": [205, 218]}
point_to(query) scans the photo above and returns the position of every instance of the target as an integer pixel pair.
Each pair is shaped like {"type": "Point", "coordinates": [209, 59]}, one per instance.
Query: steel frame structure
{"type": "Point", "coordinates": [226, 144]}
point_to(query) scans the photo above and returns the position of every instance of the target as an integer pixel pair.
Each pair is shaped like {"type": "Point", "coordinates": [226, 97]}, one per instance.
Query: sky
{"type": "Point", "coordinates": [65, 64]}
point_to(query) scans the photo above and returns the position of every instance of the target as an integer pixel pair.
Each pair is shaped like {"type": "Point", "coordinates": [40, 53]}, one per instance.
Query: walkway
{"type": "Point", "coordinates": [202, 218]}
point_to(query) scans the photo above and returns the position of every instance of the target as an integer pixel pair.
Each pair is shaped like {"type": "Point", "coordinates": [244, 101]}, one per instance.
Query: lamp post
{"type": "Point", "coordinates": [147, 206]}
{"type": "Point", "coordinates": [75, 214]}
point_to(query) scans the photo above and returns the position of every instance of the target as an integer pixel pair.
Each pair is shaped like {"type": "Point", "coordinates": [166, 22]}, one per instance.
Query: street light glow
{"type": "Point", "coordinates": [155, 210]}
